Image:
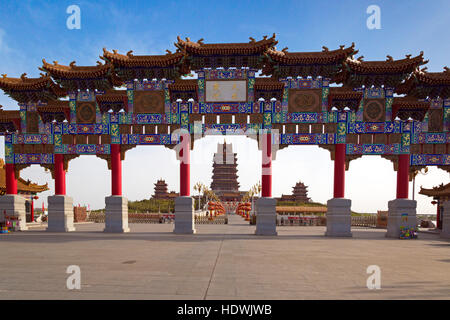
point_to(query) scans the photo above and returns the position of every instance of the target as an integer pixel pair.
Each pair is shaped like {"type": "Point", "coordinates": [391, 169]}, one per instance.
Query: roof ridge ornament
{"type": "Point", "coordinates": [23, 76]}
{"type": "Point", "coordinates": [389, 58]}
{"type": "Point", "coordinates": [130, 54]}
{"type": "Point", "coordinates": [72, 64]}
{"type": "Point", "coordinates": [325, 49]}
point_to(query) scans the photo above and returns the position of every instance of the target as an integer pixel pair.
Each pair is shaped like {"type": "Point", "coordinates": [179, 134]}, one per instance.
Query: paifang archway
{"type": "Point", "coordinates": [327, 98]}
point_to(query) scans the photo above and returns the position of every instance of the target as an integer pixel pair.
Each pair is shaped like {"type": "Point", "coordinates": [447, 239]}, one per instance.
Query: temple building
{"type": "Point", "coordinates": [440, 194]}
{"type": "Point", "coordinates": [299, 193]}
{"type": "Point", "coordinates": [161, 191]}
{"type": "Point", "coordinates": [224, 179]}
{"type": "Point", "coordinates": [25, 188]}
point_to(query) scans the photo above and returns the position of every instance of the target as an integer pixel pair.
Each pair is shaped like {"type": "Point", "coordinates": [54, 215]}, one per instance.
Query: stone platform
{"type": "Point", "coordinates": [221, 262]}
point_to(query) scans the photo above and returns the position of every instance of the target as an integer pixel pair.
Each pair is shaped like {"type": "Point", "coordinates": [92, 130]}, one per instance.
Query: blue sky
{"type": "Point", "coordinates": [32, 30]}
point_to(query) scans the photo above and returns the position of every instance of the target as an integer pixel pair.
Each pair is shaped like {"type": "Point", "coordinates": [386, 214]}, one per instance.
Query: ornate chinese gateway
{"type": "Point", "coordinates": [329, 98]}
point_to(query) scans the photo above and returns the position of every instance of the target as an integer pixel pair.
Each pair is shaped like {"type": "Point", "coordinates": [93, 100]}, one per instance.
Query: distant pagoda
{"type": "Point", "coordinates": [161, 191]}
{"type": "Point", "coordinates": [224, 180]}
{"type": "Point", "coordinates": [299, 193]}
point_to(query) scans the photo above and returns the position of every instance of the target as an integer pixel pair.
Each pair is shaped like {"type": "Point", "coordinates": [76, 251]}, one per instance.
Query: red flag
{"type": "Point", "coordinates": [43, 208]}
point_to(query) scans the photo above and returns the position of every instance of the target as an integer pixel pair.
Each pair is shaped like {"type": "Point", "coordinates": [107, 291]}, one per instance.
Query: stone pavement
{"type": "Point", "coordinates": [221, 262]}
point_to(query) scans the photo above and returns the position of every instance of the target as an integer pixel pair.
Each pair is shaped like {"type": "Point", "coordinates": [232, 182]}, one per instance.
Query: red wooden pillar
{"type": "Point", "coordinates": [339, 171]}
{"type": "Point", "coordinates": [11, 181]}
{"type": "Point", "coordinates": [116, 170]}
{"type": "Point", "coordinates": [60, 175]}
{"type": "Point", "coordinates": [185, 170]}
{"type": "Point", "coordinates": [403, 176]}
{"type": "Point", "coordinates": [32, 209]}
{"type": "Point", "coordinates": [438, 215]}
{"type": "Point", "coordinates": [266, 166]}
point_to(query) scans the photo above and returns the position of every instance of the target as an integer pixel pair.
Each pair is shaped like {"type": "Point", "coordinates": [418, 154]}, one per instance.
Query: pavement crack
{"type": "Point", "coordinates": [214, 268]}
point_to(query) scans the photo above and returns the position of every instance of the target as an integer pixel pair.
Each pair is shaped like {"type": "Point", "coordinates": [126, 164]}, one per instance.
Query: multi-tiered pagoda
{"type": "Point", "coordinates": [299, 193]}
{"type": "Point", "coordinates": [224, 180]}
{"type": "Point", "coordinates": [161, 191]}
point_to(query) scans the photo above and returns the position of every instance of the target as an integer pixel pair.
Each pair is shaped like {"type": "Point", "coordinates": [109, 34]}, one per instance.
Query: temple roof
{"type": "Point", "coordinates": [252, 47]}
{"type": "Point", "coordinates": [390, 72]}
{"type": "Point", "coordinates": [323, 63]}
{"type": "Point", "coordinates": [71, 77]}
{"type": "Point", "coordinates": [112, 99]}
{"type": "Point", "coordinates": [385, 67]}
{"type": "Point", "coordinates": [438, 191]}
{"type": "Point", "coordinates": [130, 67]}
{"type": "Point", "coordinates": [424, 84]}
{"type": "Point", "coordinates": [184, 85]}
{"type": "Point", "coordinates": [22, 185]}
{"type": "Point", "coordinates": [26, 89]}
{"type": "Point", "coordinates": [305, 58]}
{"type": "Point", "coordinates": [9, 120]}
{"type": "Point", "coordinates": [9, 115]}
{"type": "Point", "coordinates": [131, 61]}
{"type": "Point", "coordinates": [268, 84]}
{"type": "Point", "coordinates": [406, 107]}
{"type": "Point", "coordinates": [341, 97]}
{"type": "Point", "coordinates": [55, 106]}
{"type": "Point", "coordinates": [60, 107]}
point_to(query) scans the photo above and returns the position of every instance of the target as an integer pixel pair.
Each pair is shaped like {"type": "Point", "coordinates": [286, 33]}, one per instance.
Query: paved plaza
{"type": "Point", "coordinates": [221, 262]}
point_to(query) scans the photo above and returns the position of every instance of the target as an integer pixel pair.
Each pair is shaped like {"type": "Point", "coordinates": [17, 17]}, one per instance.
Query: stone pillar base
{"type": "Point", "coordinates": [116, 214]}
{"type": "Point", "coordinates": [445, 223]}
{"type": "Point", "coordinates": [339, 218]}
{"type": "Point", "coordinates": [60, 214]}
{"type": "Point", "coordinates": [266, 217]}
{"type": "Point", "coordinates": [184, 216]}
{"type": "Point", "coordinates": [14, 206]}
{"type": "Point", "coordinates": [402, 213]}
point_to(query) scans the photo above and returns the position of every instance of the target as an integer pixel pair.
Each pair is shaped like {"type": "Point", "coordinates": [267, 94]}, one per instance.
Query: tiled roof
{"type": "Point", "coordinates": [245, 48]}
{"type": "Point", "coordinates": [304, 58]}
{"type": "Point", "coordinates": [22, 185]}
{"type": "Point", "coordinates": [131, 61]}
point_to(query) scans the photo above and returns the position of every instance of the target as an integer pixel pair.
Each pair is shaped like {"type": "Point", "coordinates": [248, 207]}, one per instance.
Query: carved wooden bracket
{"type": "Point", "coordinates": [123, 148]}
{"type": "Point", "coordinates": [106, 157]}
{"type": "Point", "coordinates": [50, 167]}
{"type": "Point", "coordinates": [18, 167]}
{"type": "Point", "coordinates": [446, 168]}
{"type": "Point", "coordinates": [393, 158]}
{"type": "Point", "coordinates": [348, 158]}
{"type": "Point", "coordinates": [67, 158]}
